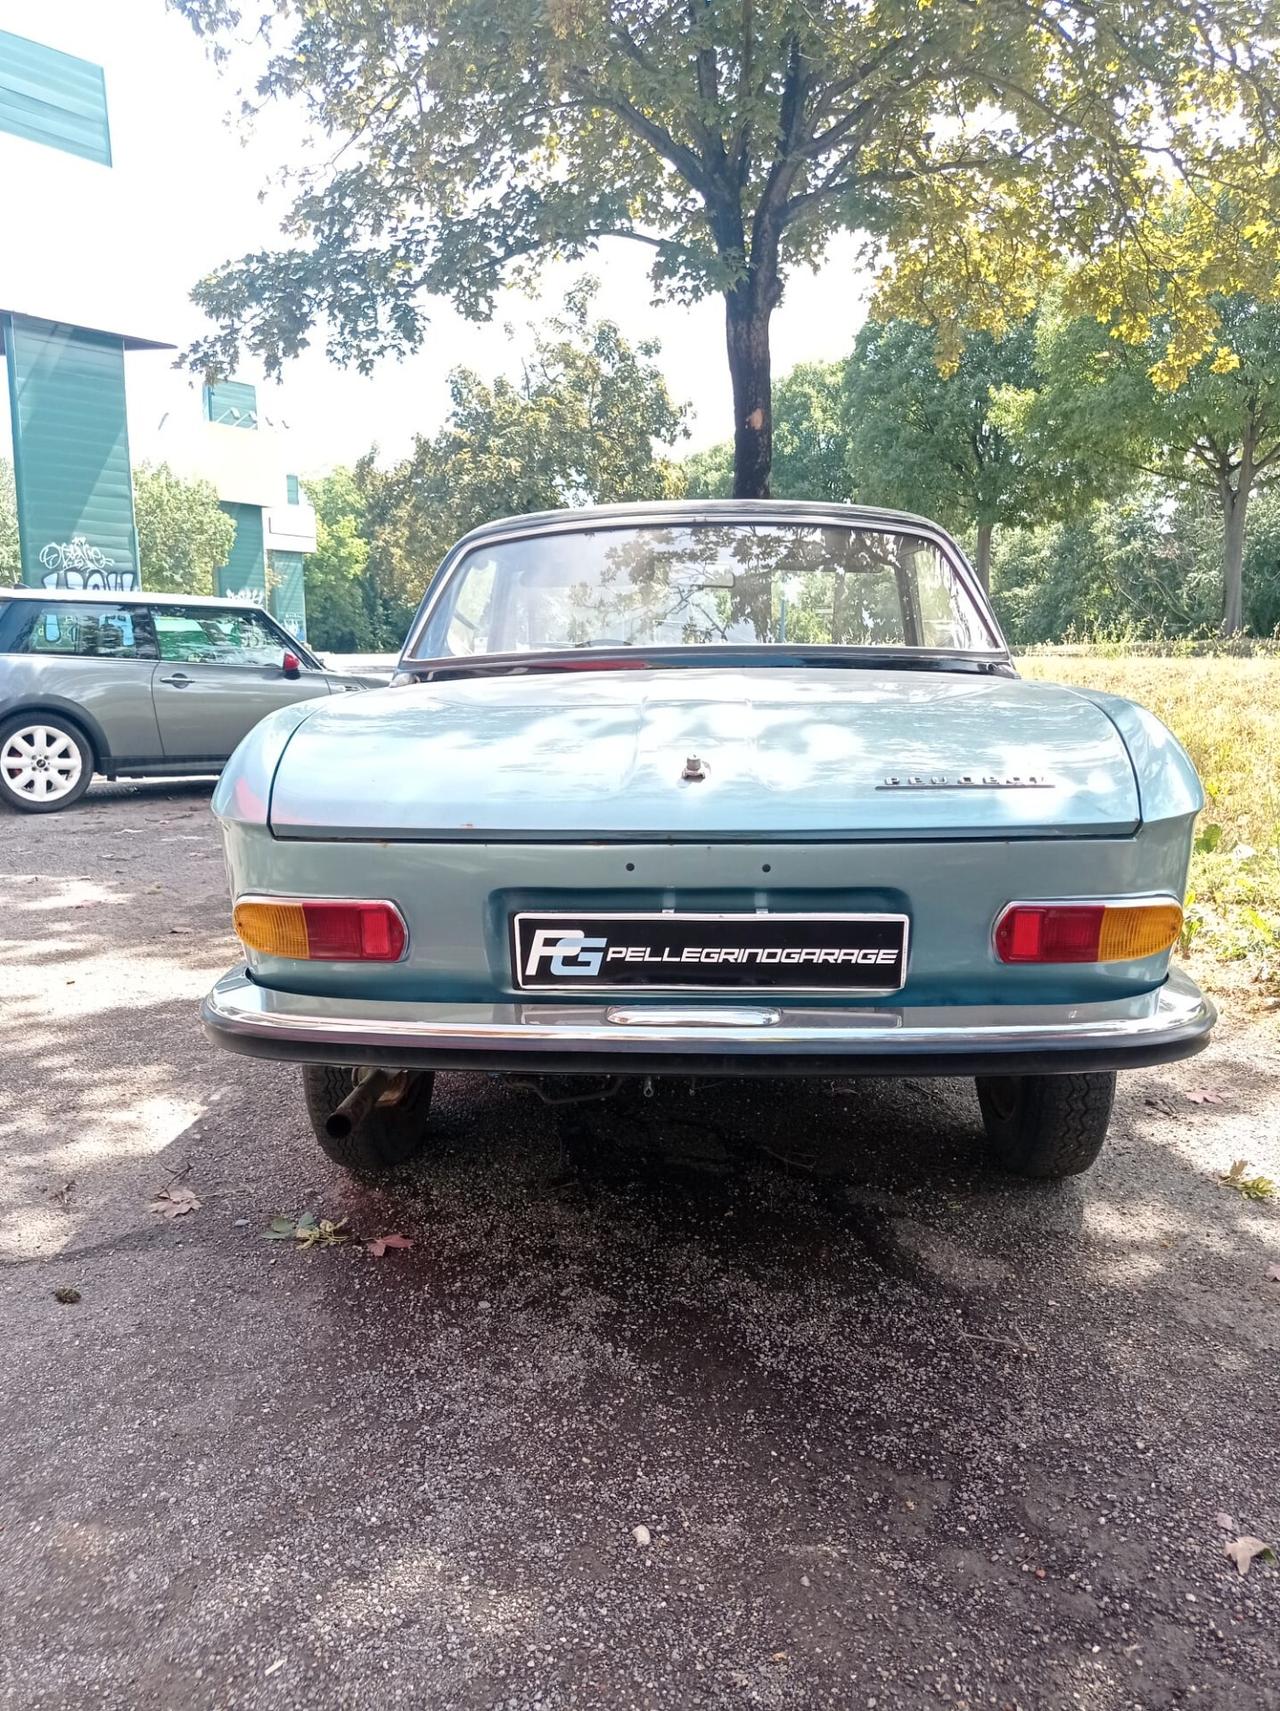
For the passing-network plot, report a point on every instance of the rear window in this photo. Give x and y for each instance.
(87, 632)
(665, 585)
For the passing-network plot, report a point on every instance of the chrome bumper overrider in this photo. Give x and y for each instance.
(766, 1039)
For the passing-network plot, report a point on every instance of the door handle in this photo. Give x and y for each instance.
(179, 680)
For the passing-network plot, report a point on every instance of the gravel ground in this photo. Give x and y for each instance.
(902, 1431)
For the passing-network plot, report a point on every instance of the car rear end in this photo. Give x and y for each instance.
(890, 919)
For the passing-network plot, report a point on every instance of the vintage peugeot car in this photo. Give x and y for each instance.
(710, 789)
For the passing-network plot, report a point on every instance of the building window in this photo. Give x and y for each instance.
(292, 493)
(233, 403)
(53, 98)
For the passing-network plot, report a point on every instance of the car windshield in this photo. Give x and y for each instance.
(703, 584)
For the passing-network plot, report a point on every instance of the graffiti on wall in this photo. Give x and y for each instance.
(77, 563)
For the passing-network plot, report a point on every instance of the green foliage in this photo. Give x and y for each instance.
(941, 444)
(10, 560)
(810, 441)
(709, 474)
(184, 536)
(578, 427)
(1227, 713)
(342, 607)
(1217, 431)
(469, 141)
(1141, 568)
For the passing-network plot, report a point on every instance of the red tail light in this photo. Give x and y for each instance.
(1086, 932)
(321, 930)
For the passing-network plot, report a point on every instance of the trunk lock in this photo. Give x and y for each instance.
(695, 770)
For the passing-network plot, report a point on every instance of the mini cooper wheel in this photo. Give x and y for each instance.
(45, 763)
(1046, 1125)
(390, 1134)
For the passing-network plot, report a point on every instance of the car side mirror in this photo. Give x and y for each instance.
(291, 665)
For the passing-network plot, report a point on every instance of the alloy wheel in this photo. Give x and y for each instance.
(41, 763)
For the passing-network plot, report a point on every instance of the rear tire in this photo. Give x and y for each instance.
(389, 1136)
(46, 763)
(1046, 1126)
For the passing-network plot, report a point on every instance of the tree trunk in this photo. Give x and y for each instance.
(1234, 506)
(747, 335)
(982, 559)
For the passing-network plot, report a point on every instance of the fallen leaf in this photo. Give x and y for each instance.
(308, 1231)
(68, 1298)
(1252, 1187)
(175, 1202)
(1209, 1096)
(1243, 1550)
(1224, 1521)
(378, 1245)
(1273, 1273)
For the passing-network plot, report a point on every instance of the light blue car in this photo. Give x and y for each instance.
(711, 788)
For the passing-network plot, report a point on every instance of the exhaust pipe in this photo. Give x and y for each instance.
(358, 1103)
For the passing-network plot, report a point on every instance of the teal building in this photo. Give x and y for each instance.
(65, 368)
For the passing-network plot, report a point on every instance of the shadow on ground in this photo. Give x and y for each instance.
(901, 1430)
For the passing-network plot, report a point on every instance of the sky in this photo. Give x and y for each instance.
(120, 248)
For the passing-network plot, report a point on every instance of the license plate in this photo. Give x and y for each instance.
(726, 953)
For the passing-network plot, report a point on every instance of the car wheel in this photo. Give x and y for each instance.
(1046, 1125)
(45, 763)
(391, 1134)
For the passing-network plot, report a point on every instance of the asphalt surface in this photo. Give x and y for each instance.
(902, 1431)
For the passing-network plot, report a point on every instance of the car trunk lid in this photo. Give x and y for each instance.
(780, 752)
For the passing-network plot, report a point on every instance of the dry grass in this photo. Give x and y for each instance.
(1227, 713)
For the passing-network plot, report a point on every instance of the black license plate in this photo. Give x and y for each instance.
(793, 953)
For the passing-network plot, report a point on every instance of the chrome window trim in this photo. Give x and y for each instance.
(726, 512)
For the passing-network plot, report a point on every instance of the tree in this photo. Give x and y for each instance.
(577, 427)
(1218, 430)
(809, 459)
(940, 444)
(10, 557)
(184, 536)
(338, 589)
(973, 145)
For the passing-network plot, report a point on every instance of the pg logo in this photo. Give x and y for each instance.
(568, 951)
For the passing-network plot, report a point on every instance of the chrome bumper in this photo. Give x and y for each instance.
(684, 1039)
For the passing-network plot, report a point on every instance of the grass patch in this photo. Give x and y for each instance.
(1227, 714)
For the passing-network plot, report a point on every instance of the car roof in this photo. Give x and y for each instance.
(705, 510)
(131, 597)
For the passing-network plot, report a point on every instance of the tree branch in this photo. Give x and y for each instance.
(676, 154)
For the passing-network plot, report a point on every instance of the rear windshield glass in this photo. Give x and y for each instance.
(702, 584)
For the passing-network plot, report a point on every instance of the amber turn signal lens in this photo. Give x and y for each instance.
(1129, 933)
(1086, 932)
(320, 929)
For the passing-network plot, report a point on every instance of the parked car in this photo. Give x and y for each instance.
(710, 789)
(129, 685)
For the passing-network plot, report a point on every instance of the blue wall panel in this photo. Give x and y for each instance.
(54, 98)
(233, 403)
(70, 455)
(244, 575)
